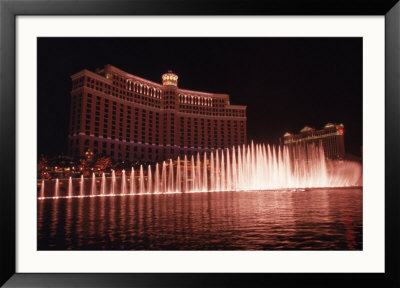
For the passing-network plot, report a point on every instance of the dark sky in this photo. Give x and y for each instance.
(286, 83)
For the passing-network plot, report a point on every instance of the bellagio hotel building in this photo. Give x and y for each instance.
(121, 115)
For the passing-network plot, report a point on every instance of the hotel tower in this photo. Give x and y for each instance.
(126, 117)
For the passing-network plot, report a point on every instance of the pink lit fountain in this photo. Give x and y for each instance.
(243, 168)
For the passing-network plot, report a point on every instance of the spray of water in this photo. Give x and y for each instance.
(243, 168)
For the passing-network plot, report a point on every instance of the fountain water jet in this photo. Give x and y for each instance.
(212, 173)
(228, 183)
(56, 188)
(171, 176)
(178, 176)
(164, 178)
(223, 187)
(217, 173)
(185, 174)
(205, 182)
(93, 190)
(149, 180)
(132, 182)
(193, 175)
(198, 173)
(81, 187)
(157, 180)
(113, 180)
(141, 190)
(234, 169)
(103, 184)
(41, 195)
(242, 168)
(123, 184)
(70, 186)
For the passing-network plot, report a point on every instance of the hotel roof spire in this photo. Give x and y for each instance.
(170, 79)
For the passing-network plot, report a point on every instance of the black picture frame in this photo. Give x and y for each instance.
(8, 12)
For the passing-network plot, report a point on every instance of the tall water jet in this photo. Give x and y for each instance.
(178, 176)
(198, 173)
(323, 168)
(212, 173)
(228, 182)
(205, 182)
(56, 188)
(149, 180)
(113, 180)
(93, 189)
(234, 171)
(132, 182)
(164, 178)
(217, 173)
(185, 174)
(193, 174)
(287, 164)
(239, 169)
(81, 186)
(157, 180)
(252, 159)
(171, 176)
(103, 184)
(70, 186)
(141, 179)
(223, 182)
(249, 168)
(270, 163)
(42, 190)
(123, 184)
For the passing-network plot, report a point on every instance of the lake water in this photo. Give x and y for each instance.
(316, 219)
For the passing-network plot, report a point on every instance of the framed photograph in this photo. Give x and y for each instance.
(222, 144)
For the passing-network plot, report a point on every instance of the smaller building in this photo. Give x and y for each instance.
(331, 136)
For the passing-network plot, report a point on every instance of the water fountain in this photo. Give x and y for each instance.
(103, 184)
(178, 183)
(193, 176)
(149, 180)
(243, 168)
(93, 189)
(157, 180)
(42, 189)
(205, 178)
(123, 184)
(164, 178)
(141, 180)
(185, 175)
(70, 187)
(132, 182)
(57, 188)
(171, 175)
(113, 180)
(82, 188)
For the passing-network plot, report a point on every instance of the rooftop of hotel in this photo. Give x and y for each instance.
(103, 74)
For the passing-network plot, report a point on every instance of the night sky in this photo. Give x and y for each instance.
(286, 83)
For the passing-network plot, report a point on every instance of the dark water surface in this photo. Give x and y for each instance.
(317, 219)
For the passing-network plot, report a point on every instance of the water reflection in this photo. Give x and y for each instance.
(323, 219)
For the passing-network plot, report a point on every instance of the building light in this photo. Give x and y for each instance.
(169, 79)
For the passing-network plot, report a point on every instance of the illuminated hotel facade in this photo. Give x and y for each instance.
(331, 136)
(116, 114)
